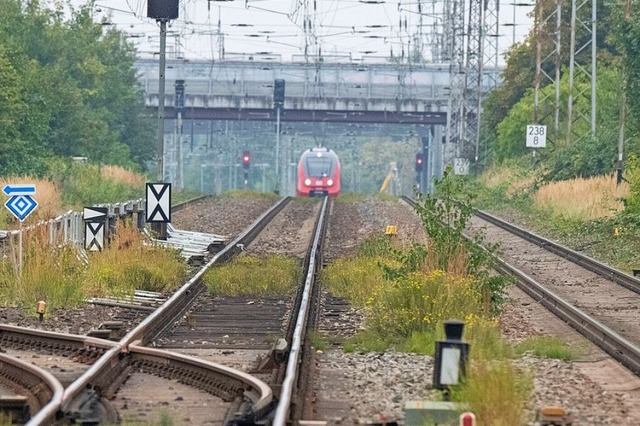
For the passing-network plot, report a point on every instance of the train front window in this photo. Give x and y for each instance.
(319, 167)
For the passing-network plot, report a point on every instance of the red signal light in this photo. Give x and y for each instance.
(419, 162)
(246, 159)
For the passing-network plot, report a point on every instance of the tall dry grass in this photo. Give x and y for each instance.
(128, 264)
(119, 174)
(582, 199)
(512, 178)
(47, 196)
(52, 274)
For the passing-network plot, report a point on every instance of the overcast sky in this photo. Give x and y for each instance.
(354, 28)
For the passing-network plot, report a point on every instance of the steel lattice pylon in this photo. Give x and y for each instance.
(471, 36)
(473, 75)
(548, 46)
(580, 120)
(582, 63)
(455, 54)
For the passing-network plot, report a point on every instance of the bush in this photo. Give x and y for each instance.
(421, 301)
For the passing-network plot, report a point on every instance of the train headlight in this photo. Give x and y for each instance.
(307, 182)
(329, 182)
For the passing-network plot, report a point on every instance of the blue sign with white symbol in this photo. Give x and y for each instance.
(20, 189)
(21, 204)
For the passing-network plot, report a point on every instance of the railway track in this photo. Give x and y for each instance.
(597, 300)
(102, 379)
(116, 362)
(197, 355)
(248, 333)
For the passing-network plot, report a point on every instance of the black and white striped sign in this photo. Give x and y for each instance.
(158, 203)
(93, 236)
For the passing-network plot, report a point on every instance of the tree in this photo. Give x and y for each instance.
(80, 92)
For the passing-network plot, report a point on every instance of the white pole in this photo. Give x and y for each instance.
(20, 251)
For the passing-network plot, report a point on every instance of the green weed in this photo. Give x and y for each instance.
(368, 341)
(547, 347)
(496, 392)
(246, 275)
(318, 340)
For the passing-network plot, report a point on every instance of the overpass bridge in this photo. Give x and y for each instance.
(228, 106)
(337, 92)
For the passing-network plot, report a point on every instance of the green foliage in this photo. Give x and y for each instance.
(127, 264)
(632, 175)
(52, 275)
(587, 157)
(72, 89)
(419, 302)
(82, 184)
(318, 340)
(246, 275)
(547, 347)
(419, 342)
(62, 280)
(496, 392)
(444, 218)
(354, 279)
(368, 341)
(375, 246)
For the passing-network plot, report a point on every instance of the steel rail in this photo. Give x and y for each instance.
(44, 387)
(611, 342)
(187, 203)
(98, 375)
(157, 361)
(585, 261)
(284, 403)
(618, 347)
(22, 337)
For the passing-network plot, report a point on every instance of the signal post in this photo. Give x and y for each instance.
(246, 165)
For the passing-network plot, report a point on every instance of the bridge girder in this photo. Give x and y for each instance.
(300, 115)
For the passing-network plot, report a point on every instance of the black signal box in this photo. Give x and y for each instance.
(162, 9)
(278, 92)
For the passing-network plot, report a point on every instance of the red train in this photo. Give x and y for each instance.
(318, 173)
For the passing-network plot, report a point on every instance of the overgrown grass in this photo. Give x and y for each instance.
(582, 199)
(318, 340)
(57, 276)
(547, 347)
(369, 341)
(254, 276)
(83, 184)
(611, 239)
(49, 273)
(165, 419)
(496, 392)
(122, 175)
(407, 295)
(354, 279)
(127, 264)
